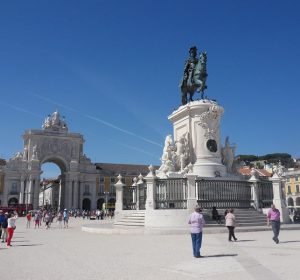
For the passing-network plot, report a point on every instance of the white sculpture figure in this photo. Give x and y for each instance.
(182, 151)
(18, 155)
(167, 163)
(47, 122)
(278, 169)
(34, 152)
(25, 153)
(228, 155)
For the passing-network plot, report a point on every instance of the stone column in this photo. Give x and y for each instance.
(36, 193)
(119, 196)
(191, 195)
(254, 189)
(59, 196)
(278, 199)
(75, 205)
(30, 190)
(151, 189)
(5, 191)
(68, 194)
(22, 190)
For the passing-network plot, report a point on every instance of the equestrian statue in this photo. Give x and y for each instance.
(194, 76)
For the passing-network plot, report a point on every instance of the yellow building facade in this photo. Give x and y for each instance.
(292, 188)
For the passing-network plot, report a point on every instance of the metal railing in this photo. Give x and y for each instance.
(265, 194)
(171, 193)
(223, 194)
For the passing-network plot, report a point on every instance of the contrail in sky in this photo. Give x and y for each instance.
(19, 109)
(97, 119)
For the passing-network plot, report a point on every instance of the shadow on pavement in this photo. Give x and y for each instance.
(27, 245)
(291, 241)
(245, 240)
(220, 255)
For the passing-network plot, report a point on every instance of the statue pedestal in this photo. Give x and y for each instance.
(201, 120)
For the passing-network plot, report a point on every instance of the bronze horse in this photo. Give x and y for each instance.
(195, 75)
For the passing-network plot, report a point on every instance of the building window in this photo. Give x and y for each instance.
(289, 190)
(14, 188)
(102, 180)
(112, 180)
(288, 179)
(86, 190)
(112, 189)
(101, 189)
(297, 188)
(296, 178)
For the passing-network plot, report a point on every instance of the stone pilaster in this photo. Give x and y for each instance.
(191, 195)
(119, 196)
(278, 199)
(151, 189)
(254, 189)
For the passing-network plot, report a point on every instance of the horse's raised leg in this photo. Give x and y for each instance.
(191, 96)
(183, 98)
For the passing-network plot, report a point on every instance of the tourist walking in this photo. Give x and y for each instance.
(273, 217)
(4, 228)
(230, 224)
(11, 226)
(37, 220)
(66, 218)
(196, 222)
(28, 220)
(59, 219)
(2, 218)
(47, 219)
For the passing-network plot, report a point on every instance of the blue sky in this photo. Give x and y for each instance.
(113, 69)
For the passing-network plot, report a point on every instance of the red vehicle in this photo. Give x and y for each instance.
(19, 208)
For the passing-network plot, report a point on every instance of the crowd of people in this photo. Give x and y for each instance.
(35, 218)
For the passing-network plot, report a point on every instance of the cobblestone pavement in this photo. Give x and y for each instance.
(74, 254)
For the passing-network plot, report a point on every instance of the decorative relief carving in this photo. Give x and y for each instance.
(213, 113)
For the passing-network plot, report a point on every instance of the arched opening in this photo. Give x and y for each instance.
(52, 191)
(100, 202)
(13, 201)
(290, 202)
(86, 204)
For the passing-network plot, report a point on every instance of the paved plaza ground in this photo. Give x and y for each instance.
(74, 254)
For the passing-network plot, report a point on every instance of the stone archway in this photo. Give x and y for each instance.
(13, 201)
(100, 202)
(290, 202)
(86, 204)
(298, 201)
(53, 143)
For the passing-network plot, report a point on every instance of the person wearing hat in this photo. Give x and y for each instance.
(196, 222)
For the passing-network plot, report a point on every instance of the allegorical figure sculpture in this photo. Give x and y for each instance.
(228, 155)
(167, 163)
(194, 76)
(182, 152)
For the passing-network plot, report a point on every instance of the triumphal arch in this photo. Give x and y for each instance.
(53, 143)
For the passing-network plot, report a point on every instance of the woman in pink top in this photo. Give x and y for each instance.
(230, 224)
(196, 222)
(273, 217)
